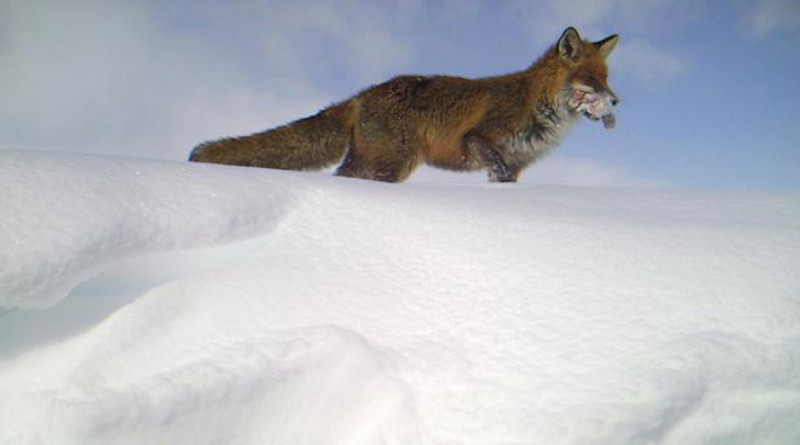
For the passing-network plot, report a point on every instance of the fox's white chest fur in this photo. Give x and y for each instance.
(544, 134)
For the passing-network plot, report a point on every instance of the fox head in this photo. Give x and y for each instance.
(587, 79)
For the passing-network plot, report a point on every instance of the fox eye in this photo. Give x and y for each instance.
(593, 81)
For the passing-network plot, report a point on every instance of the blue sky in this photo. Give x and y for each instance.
(708, 87)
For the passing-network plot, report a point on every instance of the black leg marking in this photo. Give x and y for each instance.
(498, 170)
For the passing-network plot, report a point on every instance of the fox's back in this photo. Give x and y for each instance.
(437, 111)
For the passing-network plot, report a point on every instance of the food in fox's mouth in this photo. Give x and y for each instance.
(594, 106)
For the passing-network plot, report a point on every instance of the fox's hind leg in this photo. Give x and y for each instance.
(481, 148)
(393, 164)
(394, 169)
(380, 150)
(353, 166)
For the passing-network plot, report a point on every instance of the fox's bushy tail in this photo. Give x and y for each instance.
(311, 143)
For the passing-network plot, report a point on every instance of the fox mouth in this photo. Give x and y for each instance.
(595, 106)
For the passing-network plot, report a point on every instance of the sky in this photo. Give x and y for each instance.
(707, 87)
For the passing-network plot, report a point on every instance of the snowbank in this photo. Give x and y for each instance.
(157, 302)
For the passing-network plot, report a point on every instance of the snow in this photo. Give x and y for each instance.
(167, 302)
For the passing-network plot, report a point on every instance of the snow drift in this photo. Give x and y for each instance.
(159, 302)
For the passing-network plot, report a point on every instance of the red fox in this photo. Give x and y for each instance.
(501, 124)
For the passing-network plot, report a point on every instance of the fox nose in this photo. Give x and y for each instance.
(612, 96)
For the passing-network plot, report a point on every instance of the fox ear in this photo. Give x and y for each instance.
(607, 45)
(569, 45)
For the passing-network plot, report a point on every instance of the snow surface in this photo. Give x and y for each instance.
(163, 302)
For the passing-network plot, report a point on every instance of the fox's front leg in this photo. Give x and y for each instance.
(490, 157)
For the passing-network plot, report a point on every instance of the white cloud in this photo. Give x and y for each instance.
(154, 79)
(362, 33)
(545, 20)
(770, 16)
(646, 63)
(594, 19)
